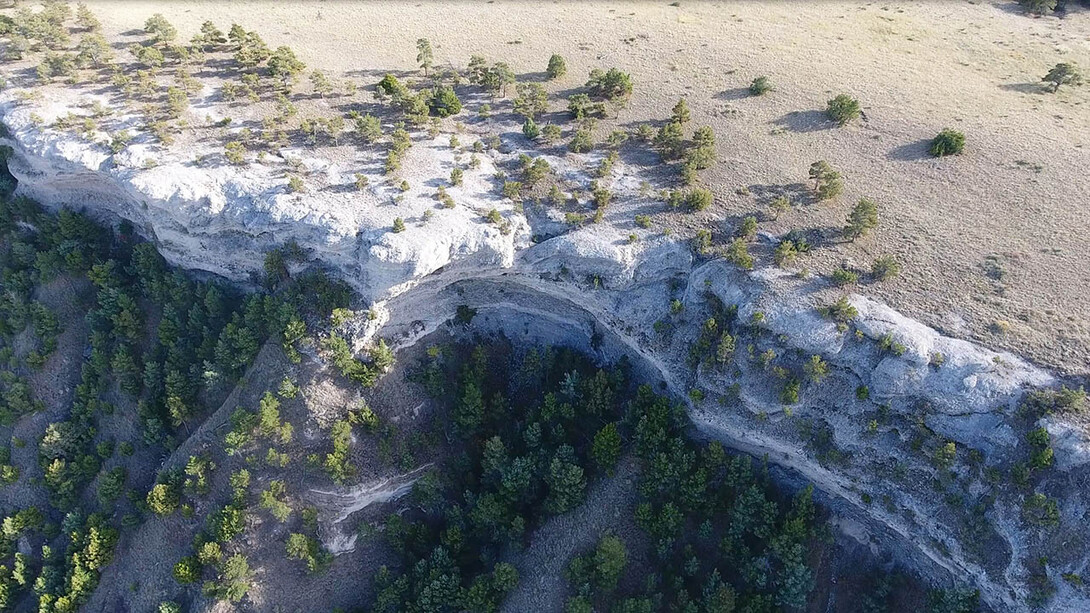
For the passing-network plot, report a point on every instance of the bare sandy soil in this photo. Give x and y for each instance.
(1017, 197)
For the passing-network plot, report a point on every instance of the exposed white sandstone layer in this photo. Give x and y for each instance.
(223, 218)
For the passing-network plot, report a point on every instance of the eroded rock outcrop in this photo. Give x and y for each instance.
(864, 433)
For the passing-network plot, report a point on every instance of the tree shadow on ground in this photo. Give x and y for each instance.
(797, 193)
(735, 93)
(821, 237)
(340, 188)
(1025, 88)
(910, 152)
(533, 77)
(378, 74)
(805, 121)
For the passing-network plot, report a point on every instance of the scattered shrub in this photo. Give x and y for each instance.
(160, 29)
(424, 56)
(785, 253)
(550, 133)
(444, 102)
(816, 369)
(698, 199)
(841, 311)
(532, 100)
(885, 267)
(680, 113)
(581, 142)
(827, 183)
(843, 109)
(611, 84)
(843, 276)
(235, 152)
(948, 142)
(748, 227)
(530, 129)
(187, 570)
(738, 254)
(760, 86)
(862, 219)
(163, 498)
(1064, 73)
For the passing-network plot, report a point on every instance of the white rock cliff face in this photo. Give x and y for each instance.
(222, 219)
(592, 288)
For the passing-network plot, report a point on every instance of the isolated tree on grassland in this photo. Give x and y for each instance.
(557, 67)
(424, 55)
(843, 109)
(1064, 73)
(862, 219)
